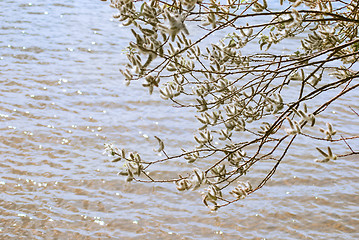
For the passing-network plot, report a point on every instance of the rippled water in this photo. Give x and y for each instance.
(62, 98)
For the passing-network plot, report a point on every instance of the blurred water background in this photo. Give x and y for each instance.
(62, 97)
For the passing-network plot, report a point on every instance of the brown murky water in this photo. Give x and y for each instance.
(62, 98)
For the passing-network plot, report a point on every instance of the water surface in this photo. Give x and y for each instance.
(62, 98)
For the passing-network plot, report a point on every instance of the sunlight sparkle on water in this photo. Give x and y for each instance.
(100, 222)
